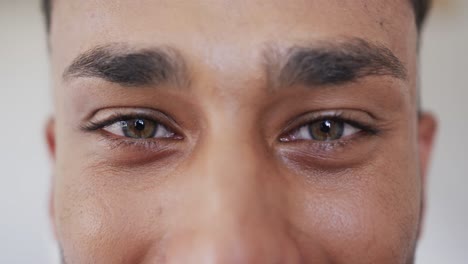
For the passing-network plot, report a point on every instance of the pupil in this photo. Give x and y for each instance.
(139, 125)
(326, 126)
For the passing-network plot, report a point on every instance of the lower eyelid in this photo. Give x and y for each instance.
(327, 149)
(153, 144)
(119, 151)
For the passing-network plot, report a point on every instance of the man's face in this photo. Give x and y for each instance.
(236, 131)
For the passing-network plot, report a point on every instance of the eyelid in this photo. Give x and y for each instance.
(350, 117)
(110, 116)
(117, 128)
(304, 133)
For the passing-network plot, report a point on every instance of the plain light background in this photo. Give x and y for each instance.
(25, 102)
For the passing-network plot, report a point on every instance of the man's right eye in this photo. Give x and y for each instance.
(139, 128)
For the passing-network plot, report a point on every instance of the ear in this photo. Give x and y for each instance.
(50, 137)
(50, 140)
(427, 128)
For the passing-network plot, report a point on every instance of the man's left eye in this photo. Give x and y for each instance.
(323, 130)
(139, 129)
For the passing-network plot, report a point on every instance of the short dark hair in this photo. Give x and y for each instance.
(47, 11)
(420, 7)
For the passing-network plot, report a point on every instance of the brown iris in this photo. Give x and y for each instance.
(139, 128)
(326, 130)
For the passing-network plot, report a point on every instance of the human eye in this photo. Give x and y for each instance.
(323, 130)
(139, 128)
(329, 139)
(136, 126)
(327, 127)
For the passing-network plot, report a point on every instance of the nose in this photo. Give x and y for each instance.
(232, 210)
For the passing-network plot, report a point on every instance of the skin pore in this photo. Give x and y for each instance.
(237, 131)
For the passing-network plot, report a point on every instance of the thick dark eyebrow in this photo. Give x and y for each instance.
(334, 63)
(120, 64)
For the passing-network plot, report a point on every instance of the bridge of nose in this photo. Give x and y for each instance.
(232, 209)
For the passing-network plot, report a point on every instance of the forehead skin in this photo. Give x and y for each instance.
(253, 208)
(240, 26)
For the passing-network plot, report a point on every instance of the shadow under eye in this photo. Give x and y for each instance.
(312, 155)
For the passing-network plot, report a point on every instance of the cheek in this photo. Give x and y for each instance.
(84, 224)
(372, 218)
(100, 221)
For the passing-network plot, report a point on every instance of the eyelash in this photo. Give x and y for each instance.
(336, 117)
(94, 126)
(119, 117)
(117, 141)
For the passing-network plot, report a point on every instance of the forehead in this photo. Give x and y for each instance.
(221, 31)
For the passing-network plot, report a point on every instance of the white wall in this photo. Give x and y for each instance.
(25, 234)
(24, 104)
(445, 92)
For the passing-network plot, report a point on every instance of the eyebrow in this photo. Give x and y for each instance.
(334, 63)
(120, 64)
(323, 63)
